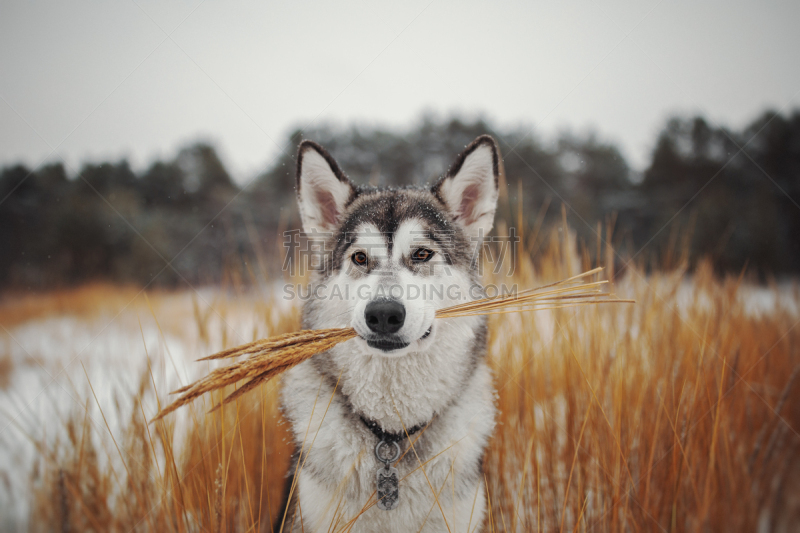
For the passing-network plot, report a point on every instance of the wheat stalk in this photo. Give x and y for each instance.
(270, 357)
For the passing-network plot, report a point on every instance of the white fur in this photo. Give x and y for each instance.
(347, 455)
(409, 236)
(397, 391)
(390, 277)
(431, 380)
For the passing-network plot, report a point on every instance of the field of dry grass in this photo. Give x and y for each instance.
(678, 413)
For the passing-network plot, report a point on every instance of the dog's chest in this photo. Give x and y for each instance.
(338, 477)
(347, 492)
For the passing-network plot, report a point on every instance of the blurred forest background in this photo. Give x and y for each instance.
(709, 192)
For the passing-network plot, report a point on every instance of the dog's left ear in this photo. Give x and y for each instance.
(469, 190)
(323, 191)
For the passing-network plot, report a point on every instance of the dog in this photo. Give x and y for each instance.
(391, 427)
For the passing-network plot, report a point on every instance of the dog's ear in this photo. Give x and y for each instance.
(323, 191)
(469, 190)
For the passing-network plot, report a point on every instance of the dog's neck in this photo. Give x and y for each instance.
(406, 391)
(387, 436)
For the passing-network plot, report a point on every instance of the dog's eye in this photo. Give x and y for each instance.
(421, 255)
(360, 258)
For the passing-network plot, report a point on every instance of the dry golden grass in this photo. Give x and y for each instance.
(87, 300)
(268, 358)
(6, 367)
(678, 413)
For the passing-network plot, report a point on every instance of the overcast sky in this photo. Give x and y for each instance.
(99, 80)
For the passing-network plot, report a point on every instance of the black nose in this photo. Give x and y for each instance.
(385, 316)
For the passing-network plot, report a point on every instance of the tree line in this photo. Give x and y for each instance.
(730, 196)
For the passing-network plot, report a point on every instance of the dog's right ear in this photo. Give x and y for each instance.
(323, 191)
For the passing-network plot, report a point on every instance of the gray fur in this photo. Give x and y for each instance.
(441, 382)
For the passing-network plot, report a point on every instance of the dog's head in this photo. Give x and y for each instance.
(394, 256)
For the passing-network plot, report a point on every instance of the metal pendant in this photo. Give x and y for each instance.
(388, 488)
(387, 477)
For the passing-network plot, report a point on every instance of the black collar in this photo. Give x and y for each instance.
(386, 436)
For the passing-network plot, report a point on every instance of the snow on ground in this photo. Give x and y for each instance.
(54, 359)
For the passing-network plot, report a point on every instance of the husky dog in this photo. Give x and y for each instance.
(390, 427)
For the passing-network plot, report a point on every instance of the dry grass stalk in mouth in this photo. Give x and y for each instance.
(270, 357)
